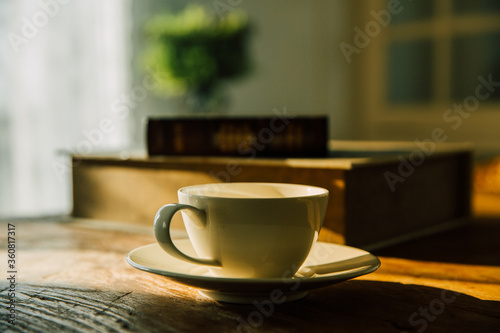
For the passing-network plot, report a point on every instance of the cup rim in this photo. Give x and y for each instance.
(318, 191)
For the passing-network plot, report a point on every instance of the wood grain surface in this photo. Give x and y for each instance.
(72, 276)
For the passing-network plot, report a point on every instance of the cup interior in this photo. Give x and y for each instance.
(253, 190)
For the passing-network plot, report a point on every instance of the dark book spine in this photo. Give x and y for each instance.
(241, 137)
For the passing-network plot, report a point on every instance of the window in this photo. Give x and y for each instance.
(438, 49)
(63, 64)
(432, 56)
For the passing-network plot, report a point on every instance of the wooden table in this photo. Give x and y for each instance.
(72, 276)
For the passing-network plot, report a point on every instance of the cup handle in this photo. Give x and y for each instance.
(162, 222)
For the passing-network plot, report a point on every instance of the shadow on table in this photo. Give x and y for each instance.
(389, 306)
(474, 244)
(373, 306)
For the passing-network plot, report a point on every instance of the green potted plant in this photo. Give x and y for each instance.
(195, 53)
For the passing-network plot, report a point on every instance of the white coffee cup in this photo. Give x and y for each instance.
(246, 230)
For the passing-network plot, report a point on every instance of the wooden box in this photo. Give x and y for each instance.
(380, 192)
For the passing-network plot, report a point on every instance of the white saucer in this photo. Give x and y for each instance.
(326, 264)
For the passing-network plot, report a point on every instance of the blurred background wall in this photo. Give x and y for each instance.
(70, 78)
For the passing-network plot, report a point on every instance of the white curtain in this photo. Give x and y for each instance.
(63, 64)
